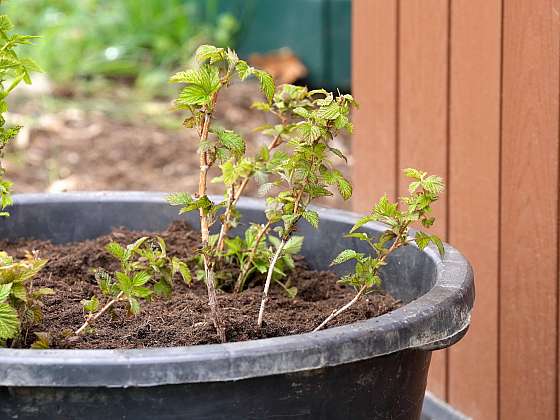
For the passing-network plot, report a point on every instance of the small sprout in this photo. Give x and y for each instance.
(423, 190)
(20, 303)
(145, 269)
(43, 341)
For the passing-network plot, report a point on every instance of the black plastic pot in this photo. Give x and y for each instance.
(375, 369)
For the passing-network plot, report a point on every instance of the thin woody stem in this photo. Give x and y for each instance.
(397, 244)
(241, 278)
(233, 199)
(205, 233)
(264, 299)
(92, 318)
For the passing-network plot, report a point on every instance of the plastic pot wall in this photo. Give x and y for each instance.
(374, 369)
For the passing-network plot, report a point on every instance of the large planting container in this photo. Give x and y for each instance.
(374, 369)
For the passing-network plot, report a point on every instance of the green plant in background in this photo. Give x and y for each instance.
(142, 40)
(13, 70)
(216, 67)
(20, 304)
(145, 269)
(424, 190)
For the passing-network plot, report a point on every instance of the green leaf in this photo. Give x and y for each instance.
(141, 292)
(116, 250)
(9, 322)
(422, 240)
(179, 199)
(414, 173)
(293, 245)
(42, 342)
(231, 141)
(329, 112)
(124, 282)
(434, 184)
(439, 244)
(140, 278)
(183, 269)
(312, 217)
(163, 288)
(346, 255)
(5, 290)
(362, 221)
(6, 24)
(344, 188)
(267, 84)
(243, 69)
(209, 53)
(134, 306)
(91, 305)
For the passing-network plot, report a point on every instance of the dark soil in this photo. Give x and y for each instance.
(184, 318)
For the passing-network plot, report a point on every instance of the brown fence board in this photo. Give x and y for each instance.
(529, 256)
(477, 100)
(375, 63)
(423, 112)
(474, 155)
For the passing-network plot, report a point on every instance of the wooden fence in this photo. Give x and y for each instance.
(469, 89)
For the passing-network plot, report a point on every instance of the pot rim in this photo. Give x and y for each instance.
(435, 320)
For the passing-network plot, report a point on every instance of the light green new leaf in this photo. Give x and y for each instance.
(267, 84)
(346, 255)
(312, 217)
(5, 290)
(9, 322)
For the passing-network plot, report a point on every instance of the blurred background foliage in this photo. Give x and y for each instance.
(137, 41)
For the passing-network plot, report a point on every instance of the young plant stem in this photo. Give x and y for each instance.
(92, 318)
(264, 299)
(338, 311)
(397, 244)
(233, 199)
(205, 234)
(247, 264)
(277, 255)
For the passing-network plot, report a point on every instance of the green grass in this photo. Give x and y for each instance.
(141, 41)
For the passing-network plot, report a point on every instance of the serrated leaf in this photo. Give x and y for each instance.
(293, 245)
(5, 290)
(267, 84)
(42, 342)
(312, 217)
(163, 288)
(329, 112)
(134, 306)
(414, 173)
(90, 305)
(231, 141)
(6, 24)
(9, 322)
(116, 250)
(362, 221)
(439, 244)
(346, 255)
(422, 240)
(124, 282)
(344, 188)
(140, 278)
(243, 69)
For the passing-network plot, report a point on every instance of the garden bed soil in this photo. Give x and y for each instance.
(184, 318)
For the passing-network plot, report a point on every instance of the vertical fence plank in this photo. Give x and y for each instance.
(474, 154)
(529, 215)
(423, 113)
(374, 55)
